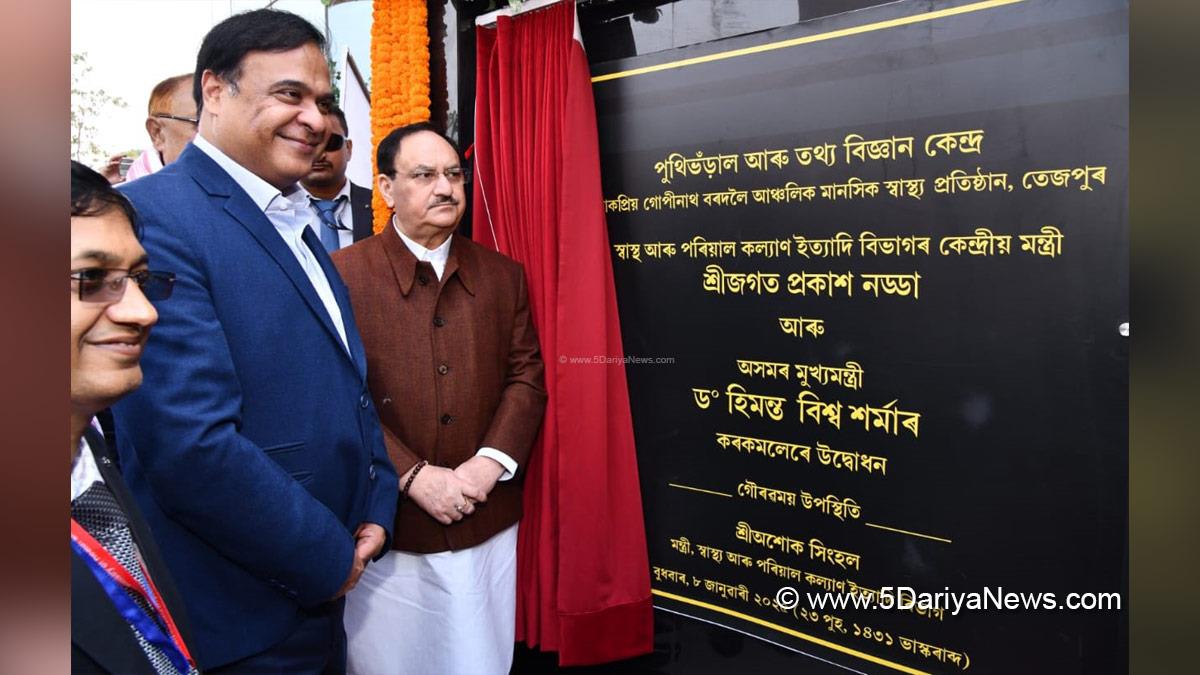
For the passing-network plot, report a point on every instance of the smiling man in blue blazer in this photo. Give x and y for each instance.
(254, 448)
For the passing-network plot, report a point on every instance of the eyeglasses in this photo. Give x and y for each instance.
(190, 120)
(97, 284)
(455, 175)
(335, 142)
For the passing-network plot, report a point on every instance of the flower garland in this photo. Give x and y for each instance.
(399, 75)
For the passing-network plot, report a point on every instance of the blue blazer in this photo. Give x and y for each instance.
(252, 446)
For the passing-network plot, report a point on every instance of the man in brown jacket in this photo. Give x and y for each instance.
(455, 370)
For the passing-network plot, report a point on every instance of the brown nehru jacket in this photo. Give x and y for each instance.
(453, 366)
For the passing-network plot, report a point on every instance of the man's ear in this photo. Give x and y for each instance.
(157, 137)
(213, 90)
(349, 149)
(384, 185)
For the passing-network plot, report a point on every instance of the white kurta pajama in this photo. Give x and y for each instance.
(449, 613)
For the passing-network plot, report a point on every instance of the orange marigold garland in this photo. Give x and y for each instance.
(399, 75)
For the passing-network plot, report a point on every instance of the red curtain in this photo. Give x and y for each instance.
(583, 583)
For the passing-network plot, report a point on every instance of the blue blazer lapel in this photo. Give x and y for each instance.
(217, 183)
(342, 295)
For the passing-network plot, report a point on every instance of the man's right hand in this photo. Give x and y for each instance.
(368, 540)
(438, 491)
(356, 571)
(112, 169)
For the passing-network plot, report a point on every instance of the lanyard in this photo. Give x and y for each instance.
(113, 578)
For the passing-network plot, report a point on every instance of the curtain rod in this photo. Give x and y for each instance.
(489, 19)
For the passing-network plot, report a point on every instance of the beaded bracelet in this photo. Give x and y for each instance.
(408, 483)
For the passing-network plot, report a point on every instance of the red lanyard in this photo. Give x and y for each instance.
(96, 551)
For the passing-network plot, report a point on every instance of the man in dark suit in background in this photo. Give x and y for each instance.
(255, 450)
(126, 616)
(343, 209)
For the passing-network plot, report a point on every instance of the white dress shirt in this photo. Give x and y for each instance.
(437, 257)
(84, 471)
(290, 213)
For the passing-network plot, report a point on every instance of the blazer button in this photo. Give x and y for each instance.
(443, 369)
(423, 280)
(371, 472)
(447, 419)
(364, 401)
(439, 321)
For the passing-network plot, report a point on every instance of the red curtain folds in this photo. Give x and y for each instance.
(583, 582)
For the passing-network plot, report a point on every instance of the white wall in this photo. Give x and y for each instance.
(357, 106)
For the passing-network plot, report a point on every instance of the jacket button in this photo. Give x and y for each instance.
(439, 321)
(364, 401)
(447, 419)
(443, 369)
(371, 472)
(423, 280)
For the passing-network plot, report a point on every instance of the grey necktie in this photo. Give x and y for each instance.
(330, 227)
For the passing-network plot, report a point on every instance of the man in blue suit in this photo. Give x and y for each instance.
(254, 448)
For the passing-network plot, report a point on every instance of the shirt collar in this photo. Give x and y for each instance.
(154, 159)
(264, 195)
(84, 471)
(404, 260)
(436, 256)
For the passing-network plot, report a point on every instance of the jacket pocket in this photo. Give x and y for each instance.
(290, 457)
(283, 448)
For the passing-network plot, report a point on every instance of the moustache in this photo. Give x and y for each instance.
(443, 202)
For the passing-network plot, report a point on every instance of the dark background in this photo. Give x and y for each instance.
(1014, 362)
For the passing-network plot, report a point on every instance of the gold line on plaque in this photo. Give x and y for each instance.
(915, 534)
(820, 37)
(696, 489)
(789, 631)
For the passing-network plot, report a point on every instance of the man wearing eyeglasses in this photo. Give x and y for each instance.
(255, 452)
(171, 122)
(343, 209)
(457, 376)
(126, 616)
